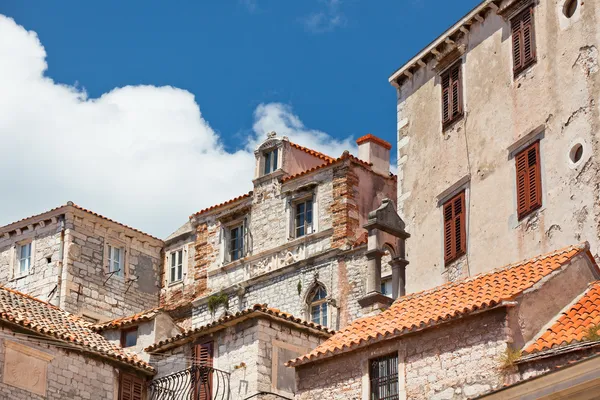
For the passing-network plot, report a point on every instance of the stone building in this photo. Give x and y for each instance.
(497, 138)
(82, 262)
(470, 338)
(296, 242)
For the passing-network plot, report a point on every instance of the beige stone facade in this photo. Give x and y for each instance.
(555, 100)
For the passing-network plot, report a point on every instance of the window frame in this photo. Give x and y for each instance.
(384, 280)
(321, 303)
(270, 160)
(124, 333)
(454, 243)
(306, 226)
(134, 383)
(529, 205)
(448, 74)
(111, 262)
(19, 249)
(239, 239)
(389, 380)
(176, 271)
(518, 18)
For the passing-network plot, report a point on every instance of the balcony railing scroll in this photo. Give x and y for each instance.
(199, 382)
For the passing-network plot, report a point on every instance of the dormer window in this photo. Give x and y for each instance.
(270, 161)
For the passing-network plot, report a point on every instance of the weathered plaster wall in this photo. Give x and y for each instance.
(69, 375)
(561, 92)
(455, 361)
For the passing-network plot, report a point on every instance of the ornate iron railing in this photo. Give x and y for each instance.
(198, 382)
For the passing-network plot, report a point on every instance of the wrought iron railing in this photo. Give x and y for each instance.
(198, 382)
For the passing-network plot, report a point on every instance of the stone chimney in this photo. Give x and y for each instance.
(375, 151)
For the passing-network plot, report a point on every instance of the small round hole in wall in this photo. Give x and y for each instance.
(576, 153)
(570, 7)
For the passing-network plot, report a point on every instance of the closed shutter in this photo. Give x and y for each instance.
(452, 107)
(454, 228)
(523, 39)
(203, 376)
(131, 387)
(529, 182)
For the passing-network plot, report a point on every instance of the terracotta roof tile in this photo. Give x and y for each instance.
(443, 303)
(50, 321)
(572, 325)
(244, 196)
(312, 152)
(257, 309)
(146, 315)
(372, 138)
(345, 156)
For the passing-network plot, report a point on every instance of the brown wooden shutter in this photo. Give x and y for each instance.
(523, 39)
(455, 241)
(529, 180)
(452, 107)
(131, 387)
(203, 377)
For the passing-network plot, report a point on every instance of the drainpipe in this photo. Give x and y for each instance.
(56, 299)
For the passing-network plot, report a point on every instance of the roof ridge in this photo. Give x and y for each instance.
(310, 151)
(30, 297)
(240, 197)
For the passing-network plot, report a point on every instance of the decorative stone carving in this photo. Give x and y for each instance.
(25, 367)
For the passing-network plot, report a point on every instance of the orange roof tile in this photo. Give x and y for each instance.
(372, 138)
(312, 152)
(257, 310)
(443, 303)
(573, 324)
(345, 156)
(146, 315)
(50, 321)
(244, 196)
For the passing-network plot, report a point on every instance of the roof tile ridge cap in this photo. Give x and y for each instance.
(35, 215)
(224, 203)
(308, 150)
(30, 297)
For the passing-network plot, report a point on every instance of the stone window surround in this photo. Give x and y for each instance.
(329, 300)
(224, 234)
(184, 265)
(113, 242)
(463, 184)
(15, 256)
(298, 197)
(270, 145)
(376, 353)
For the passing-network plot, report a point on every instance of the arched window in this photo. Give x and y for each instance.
(318, 306)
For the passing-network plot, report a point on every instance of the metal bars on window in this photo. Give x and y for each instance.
(383, 375)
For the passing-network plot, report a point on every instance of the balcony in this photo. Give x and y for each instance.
(198, 382)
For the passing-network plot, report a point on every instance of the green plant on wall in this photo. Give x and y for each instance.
(299, 287)
(217, 300)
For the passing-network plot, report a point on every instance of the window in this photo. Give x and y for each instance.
(236, 242)
(529, 182)
(115, 260)
(24, 255)
(454, 228)
(523, 40)
(176, 265)
(270, 160)
(304, 218)
(203, 376)
(452, 108)
(386, 286)
(383, 375)
(129, 337)
(131, 387)
(318, 306)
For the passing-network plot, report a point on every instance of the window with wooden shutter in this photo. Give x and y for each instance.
(131, 387)
(529, 180)
(452, 107)
(203, 375)
(455, 241)
(523, 40)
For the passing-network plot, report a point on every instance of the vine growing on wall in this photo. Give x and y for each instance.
(299, 288)
(216, 300)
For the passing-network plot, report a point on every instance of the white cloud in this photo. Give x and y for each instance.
(142, 155)
(327, 19)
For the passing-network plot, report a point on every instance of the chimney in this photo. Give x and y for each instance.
(375, 151)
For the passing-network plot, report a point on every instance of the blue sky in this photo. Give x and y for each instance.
(315, 69)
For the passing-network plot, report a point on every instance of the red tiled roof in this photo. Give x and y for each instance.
(345, 156)
(372, 138)
(257, 310)
(572, 325)
(146, 315)
(443, 303)
(312, 152)
(50, 321)
(71, 204)
(244, 196)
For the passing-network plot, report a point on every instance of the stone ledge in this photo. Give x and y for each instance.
(375, 300)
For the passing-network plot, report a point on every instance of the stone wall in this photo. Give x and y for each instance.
(457, 360)
(560, 93)
(42, 279)
(89, 289)
(29, 371)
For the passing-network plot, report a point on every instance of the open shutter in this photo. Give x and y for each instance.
(528, 37)
(131, 387)
(456, 94)
(448, 235)
(529, 182)
(459, 224)
(203, 376)
(523, 40)
(452, 107)
(446, 98)
(454, 228)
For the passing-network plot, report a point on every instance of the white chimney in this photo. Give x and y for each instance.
(375, 151)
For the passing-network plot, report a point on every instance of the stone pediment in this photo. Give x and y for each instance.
(386, 219)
